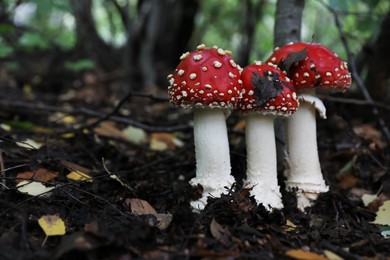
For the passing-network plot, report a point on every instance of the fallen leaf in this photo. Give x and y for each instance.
(52, 225)
(289, 226)
(33, 188)
(332, 256)
(164, 141)
(368, 198)
(135, 135)
(29, 144)
(304, 255)
(109, 129)
(141, 207)
(79, 176)
(371, 135)
(6, 127)
(385, 231)
(383, 214)
(40, 175)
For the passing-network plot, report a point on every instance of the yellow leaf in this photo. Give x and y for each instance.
(304, 255)
(79, 176)
(6, 127)
(52, 225)
(383, 214)
(289, 226)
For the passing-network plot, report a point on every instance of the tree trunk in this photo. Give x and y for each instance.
(88, 41)
(252, 14)
(288, 20)
(378, 75)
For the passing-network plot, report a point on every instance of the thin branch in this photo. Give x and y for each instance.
(353, 101)
(39, 108)
(355, 75)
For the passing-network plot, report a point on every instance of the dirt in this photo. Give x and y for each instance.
(102, 218)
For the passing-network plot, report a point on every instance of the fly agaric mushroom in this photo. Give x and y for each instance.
(267, 93)
(208, 81)
(310, 66)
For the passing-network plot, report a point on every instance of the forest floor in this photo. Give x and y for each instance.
(115, 176)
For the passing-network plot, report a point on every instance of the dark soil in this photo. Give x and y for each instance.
(99, 222)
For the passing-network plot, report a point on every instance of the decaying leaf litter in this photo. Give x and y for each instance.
(122, 190)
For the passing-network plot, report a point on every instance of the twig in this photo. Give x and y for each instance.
(39, 108)
(2, 171)
(355, 75)
(353, 101)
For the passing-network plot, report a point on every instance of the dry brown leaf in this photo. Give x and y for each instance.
(140, 207)
(164, 141)
(240, 124)
(370, 134)
(40, 174)
(348, 181)
(304, 255)
(109, 129)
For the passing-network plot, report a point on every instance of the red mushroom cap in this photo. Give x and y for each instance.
(320, 68)
(207, 77)
(266, 90)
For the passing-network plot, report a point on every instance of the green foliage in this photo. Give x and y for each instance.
(33, 40)
(80, 65)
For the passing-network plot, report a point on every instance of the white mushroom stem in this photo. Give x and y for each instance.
(303, 165)
(212, 154)
(261, 160)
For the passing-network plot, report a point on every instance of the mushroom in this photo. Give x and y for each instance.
(267, 93)
(310, 66)
(208, 81)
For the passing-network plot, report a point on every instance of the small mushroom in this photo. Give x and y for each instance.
(208, 81)
(267, 93)
(310, 66)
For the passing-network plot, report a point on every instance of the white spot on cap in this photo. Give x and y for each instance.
(239, 81)
(217, 64)
(197, 57)
(222, 94)
(184, 93)
(326, 82)
(273, 59)
(201, 47)
(318, 76)
(276, 48)
(294, 96)
(230, 91)
(204, 68)
(303, 81)
(312, 66)
(328, 74)
(180, 73)
(201, 92)
(231, 75)
(171, 81)
(233, 63)
(306, 74)
(296, 75)
(184, 55)
(221, 51)
(257, 62)
(336, 69)
(208, 86)
(197, 83)
(250, 93)
(193, 76)
(169, 76)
